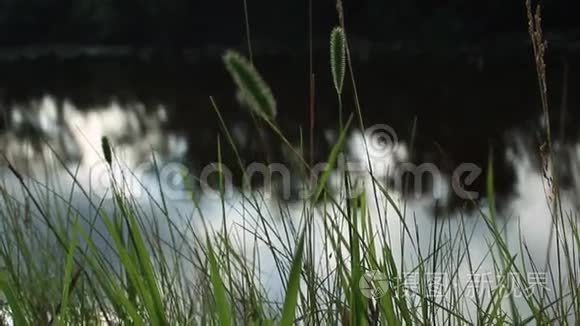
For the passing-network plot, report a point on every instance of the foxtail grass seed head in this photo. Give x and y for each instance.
(107, 150)
(338, 57)
(252, 89)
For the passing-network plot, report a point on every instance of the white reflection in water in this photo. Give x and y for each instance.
(74, 133)
(135, 133)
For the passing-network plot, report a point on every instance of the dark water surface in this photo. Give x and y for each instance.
(462, 107)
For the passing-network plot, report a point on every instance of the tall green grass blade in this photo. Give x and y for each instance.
(292, 290)
(68, 275)
(14, 302)
(149, 283)
(356, 299)
(113, 289)
(331, 162)
(225, 316)
(392, 274)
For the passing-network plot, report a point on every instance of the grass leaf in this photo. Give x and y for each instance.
(14, 302)
(68, 275)
(291, 299)
(224, 315)
(333, 157)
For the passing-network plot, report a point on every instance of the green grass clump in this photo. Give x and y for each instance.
(129, 271)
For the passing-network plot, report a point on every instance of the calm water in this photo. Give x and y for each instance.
(459, 108)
